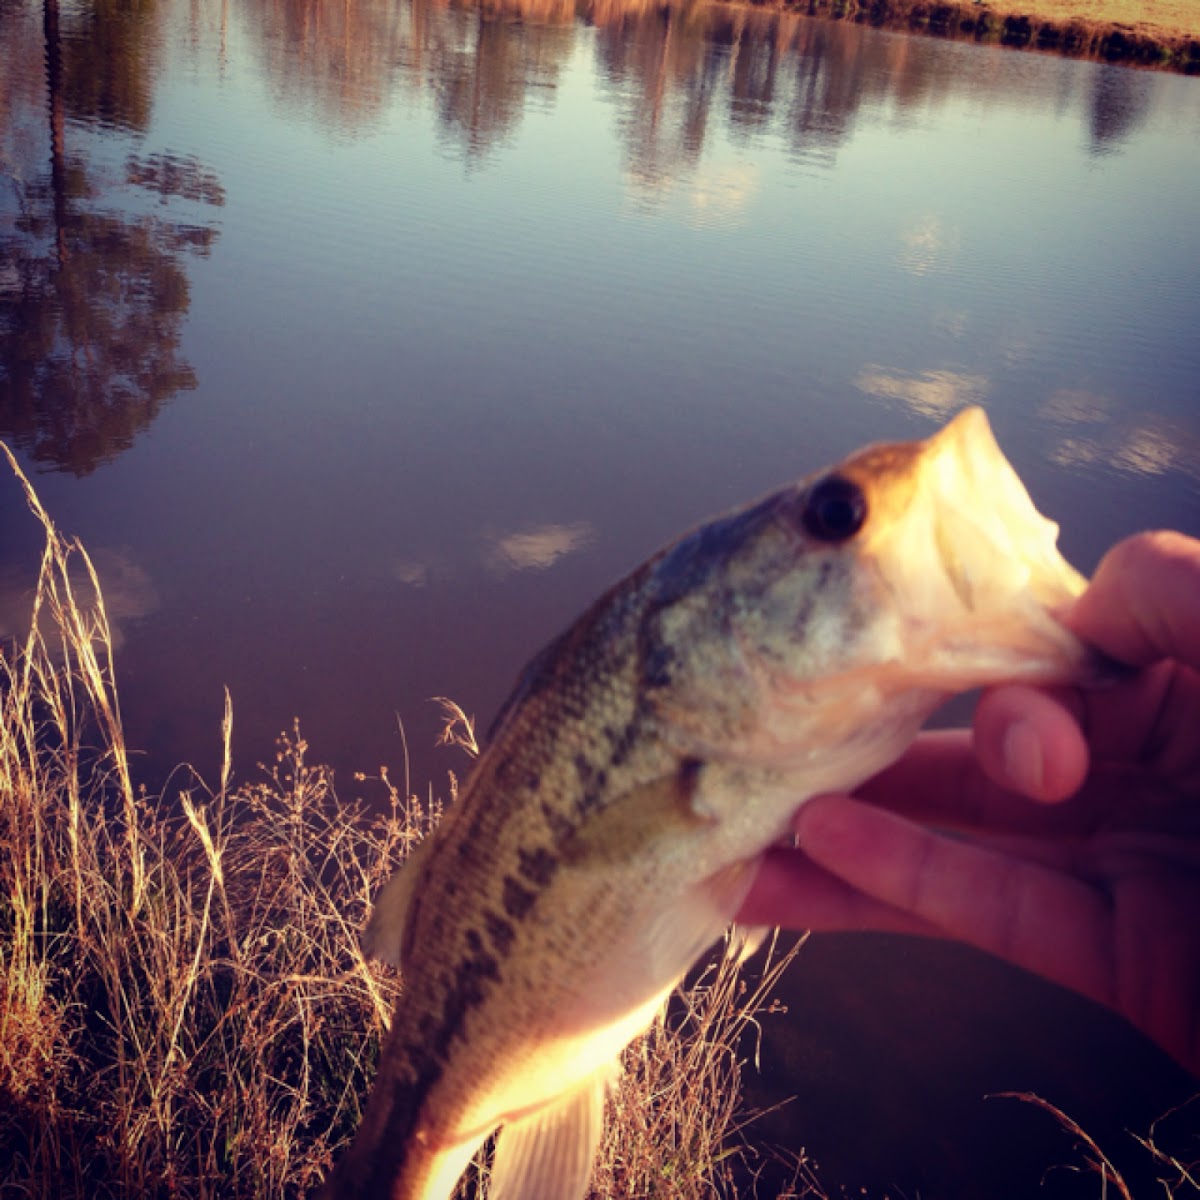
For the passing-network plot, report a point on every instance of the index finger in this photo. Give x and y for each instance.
(940, 780)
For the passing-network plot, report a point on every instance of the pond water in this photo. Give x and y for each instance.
(366, 342)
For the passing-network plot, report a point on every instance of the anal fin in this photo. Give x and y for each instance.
(548, 1154)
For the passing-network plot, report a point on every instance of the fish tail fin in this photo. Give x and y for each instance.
(547, 1155)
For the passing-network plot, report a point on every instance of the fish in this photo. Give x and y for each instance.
(648, 758)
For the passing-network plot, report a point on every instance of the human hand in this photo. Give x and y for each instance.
(1076, 851)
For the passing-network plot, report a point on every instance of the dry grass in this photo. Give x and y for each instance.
(1177, 1177)
(184, 1007)
(677, 1126)
(1170, 18)
(1163, 34)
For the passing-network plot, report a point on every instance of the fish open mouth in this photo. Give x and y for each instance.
(973, 569)
(952, 581)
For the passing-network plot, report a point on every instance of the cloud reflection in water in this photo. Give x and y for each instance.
(538, 547)
(128, 591)
(934, 394)
(928, 245)
(1095, 429)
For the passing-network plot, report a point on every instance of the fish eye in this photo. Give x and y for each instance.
(834, 509)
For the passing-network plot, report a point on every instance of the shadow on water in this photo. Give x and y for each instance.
(897, 1065)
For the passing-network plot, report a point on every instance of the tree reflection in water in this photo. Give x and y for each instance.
(94, 289)
(93, 294)
(671, 69)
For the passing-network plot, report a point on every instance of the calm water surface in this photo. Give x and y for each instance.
(364, 343)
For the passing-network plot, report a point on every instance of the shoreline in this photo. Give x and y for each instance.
(1116, 33)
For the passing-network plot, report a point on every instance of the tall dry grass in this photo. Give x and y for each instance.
(184, 1007)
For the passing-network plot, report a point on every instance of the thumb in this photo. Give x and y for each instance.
(1144, 603)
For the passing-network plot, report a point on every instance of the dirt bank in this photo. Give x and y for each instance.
(1163, 34)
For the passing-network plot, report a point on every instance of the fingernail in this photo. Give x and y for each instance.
(1023, 761)
(825, 824)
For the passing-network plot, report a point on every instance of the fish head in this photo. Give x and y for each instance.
(825, 623)
(953, 578)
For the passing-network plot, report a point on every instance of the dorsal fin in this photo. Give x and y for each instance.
(384, 936)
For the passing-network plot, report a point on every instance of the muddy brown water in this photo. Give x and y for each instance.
(366, 343)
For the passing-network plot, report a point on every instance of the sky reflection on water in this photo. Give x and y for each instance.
(368, 341)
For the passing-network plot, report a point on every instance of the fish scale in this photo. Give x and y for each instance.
(644, 763)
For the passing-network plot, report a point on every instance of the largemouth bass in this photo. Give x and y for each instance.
(646, 760)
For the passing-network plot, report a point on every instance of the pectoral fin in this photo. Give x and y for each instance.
(664, 816)
(548, 1154)
(384, 936)
(626, 827)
